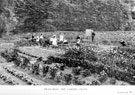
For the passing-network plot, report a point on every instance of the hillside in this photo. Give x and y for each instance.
(71, 15)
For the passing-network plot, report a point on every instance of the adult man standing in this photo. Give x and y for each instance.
(92, 35)
(41, 38)
(78, 40)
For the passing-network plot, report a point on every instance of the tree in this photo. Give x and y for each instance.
(106, 15)
(7, 16)
(2, 23)
(78, 15)
(35, 15)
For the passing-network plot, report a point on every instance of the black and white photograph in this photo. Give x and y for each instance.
(67, 43)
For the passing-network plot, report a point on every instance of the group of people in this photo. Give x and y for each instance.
(43, 41)
(55, 41)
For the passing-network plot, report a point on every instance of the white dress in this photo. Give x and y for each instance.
(37, 39)
(54, 42)
(78, 41)
(41, 37)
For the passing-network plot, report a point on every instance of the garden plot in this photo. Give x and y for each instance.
(79, 76)
(89, 79)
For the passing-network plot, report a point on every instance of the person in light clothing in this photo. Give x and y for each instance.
(41, 40)
(54, 41)
(78, 41)
(37, 39)
(41, 36)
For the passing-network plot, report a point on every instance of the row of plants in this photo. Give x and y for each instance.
(9, 55)
(81, 54)
(21, 76)
(94, 67)
(113, 63)
(7, 79)
(49, 71)
(56, 73)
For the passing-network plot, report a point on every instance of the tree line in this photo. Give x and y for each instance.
(67, 15)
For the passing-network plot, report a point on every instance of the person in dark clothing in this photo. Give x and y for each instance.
(123, 43)
(32, 37)
(78, 37)
(93, 36)
(78, 40)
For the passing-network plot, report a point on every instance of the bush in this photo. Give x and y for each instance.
(103, 76)
(113, 81)
(95, 82)
(76, 71)
(68, 78)
(81, 54)
(52, 72)
(9, 55)
(86, 73)
(78, 81)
